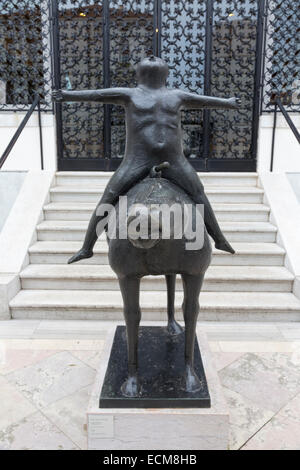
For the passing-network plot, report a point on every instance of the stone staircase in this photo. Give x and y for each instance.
(251, 285)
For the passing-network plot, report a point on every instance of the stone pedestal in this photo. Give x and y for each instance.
(159, 428)
(162, 368)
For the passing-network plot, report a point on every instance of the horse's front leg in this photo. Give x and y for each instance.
(130, 289)
(192, 286)
(173, 327)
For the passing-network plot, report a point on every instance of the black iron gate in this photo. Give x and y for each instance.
(212, 47)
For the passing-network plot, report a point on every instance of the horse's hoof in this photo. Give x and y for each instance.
(191, 382)
(130, 388)
(174, 328)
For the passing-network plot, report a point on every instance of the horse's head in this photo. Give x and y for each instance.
(144, 216)
(157, 209)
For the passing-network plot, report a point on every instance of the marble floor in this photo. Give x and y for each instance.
(47, 369)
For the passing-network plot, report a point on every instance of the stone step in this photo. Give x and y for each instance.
(247, 254)
(235, 232)
(217, 278)
(97, 178)
(224, 212)
(107, 305)
(216, 194)
(252, 285)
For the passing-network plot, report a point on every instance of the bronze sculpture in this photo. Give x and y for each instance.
(153, 143)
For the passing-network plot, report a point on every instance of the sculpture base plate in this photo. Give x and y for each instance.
(161, 372)
(159, 428)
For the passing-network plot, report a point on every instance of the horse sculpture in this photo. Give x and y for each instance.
(153, 135)
(135, 257)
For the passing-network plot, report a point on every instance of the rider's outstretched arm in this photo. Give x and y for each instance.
(194, 101)
(107, 95)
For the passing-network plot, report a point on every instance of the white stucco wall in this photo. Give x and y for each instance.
(10, 185)
(287, 148)
(25, 155)
(294, 179)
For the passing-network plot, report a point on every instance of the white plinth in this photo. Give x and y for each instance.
(160, 428)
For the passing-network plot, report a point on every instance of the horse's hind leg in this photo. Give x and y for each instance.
(130, 289)
(173, 327)
(192, 286)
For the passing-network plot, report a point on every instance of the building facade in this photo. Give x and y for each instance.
(246, 48)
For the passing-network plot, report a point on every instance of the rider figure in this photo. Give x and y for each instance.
(153, 136)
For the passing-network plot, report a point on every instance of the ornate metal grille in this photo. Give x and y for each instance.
(282, 55)
(130, 39)
(232, 74)
(81, 58)
(212, 47)
(183, 48)
(25, 61)
(100, 42)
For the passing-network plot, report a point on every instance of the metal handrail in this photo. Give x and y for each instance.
(278, 104)
(36, 102)
(288, 119)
